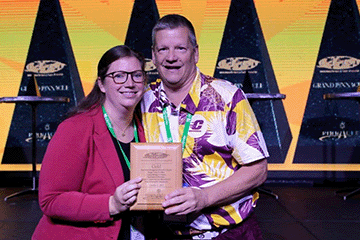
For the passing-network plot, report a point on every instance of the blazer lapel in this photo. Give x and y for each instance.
(107, 149)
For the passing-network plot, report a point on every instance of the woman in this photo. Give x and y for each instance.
(84, 186)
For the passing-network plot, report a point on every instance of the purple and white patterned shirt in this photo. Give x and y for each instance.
(223, 135)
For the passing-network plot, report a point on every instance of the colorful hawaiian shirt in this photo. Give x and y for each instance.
(223, 135)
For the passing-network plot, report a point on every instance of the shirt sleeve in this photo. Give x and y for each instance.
(246, 138)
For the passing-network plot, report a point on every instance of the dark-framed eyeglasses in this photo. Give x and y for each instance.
(119, 77)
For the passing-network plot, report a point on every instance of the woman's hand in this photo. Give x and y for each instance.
(125, 195)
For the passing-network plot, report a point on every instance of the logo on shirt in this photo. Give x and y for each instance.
(198, 126)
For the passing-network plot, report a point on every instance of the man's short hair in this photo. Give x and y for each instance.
(172, 21)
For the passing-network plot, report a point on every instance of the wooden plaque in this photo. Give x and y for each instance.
(160, 166)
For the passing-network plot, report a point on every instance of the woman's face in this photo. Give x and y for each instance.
(129, 89)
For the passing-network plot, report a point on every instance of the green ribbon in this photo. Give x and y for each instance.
(111, 129)
(168, 131)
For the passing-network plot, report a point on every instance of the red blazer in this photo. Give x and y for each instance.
(79, 172)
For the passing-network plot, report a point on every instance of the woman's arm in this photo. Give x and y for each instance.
(63, 172)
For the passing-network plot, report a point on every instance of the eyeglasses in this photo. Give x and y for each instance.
(119, 77)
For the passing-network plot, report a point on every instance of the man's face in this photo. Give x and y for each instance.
(175, 57)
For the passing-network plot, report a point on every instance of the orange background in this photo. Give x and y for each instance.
(292, 29)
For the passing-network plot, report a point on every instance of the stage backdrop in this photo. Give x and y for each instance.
(292, 30)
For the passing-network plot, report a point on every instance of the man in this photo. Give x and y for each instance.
(224, 153)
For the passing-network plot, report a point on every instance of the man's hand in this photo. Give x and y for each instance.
(241, 183)
(185, 200)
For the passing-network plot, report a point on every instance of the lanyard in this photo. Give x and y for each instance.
(168, 131)
(111, 129)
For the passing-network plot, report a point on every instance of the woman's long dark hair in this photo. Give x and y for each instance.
(96, 98)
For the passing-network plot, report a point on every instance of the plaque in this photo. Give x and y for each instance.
(160, 166)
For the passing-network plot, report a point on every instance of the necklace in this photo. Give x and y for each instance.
(111, 129)
(123, 133)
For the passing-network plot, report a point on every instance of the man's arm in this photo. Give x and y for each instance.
(188, 200)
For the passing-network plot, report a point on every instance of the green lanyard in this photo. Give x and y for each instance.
(111, 129)
(168, 131)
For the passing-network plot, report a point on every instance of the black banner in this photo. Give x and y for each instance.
(143, 18)
(330, 128)
(244, 60)
(51, 61)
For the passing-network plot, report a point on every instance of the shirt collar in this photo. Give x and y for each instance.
(191, 100)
